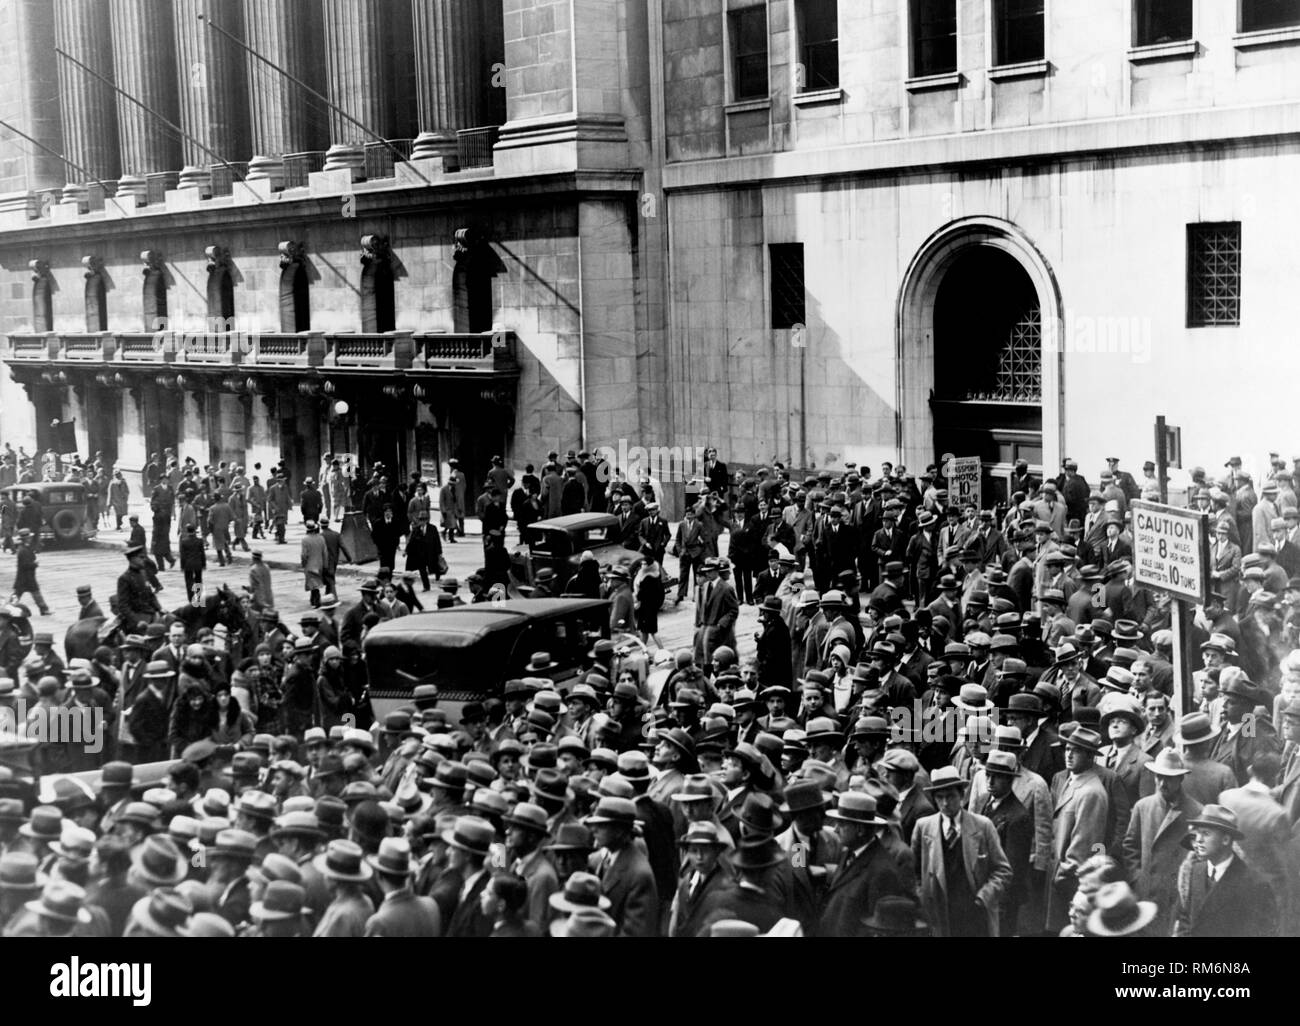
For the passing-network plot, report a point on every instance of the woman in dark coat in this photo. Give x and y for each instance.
(586, 582)
(194, 718)
(649, 594)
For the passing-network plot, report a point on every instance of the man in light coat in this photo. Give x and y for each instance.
(961, 869)
(1080, 810)
(315, 562)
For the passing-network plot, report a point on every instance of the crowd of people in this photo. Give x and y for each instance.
(950, 722)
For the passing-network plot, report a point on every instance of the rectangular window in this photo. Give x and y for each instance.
(934, 37)
(748, 29)
(788, 305)
(1213, 274)
(1020, 32)
(1163, 21)
(1264, 15)
(819, 45)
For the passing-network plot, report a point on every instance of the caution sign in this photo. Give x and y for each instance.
(965, 476)
(1171, 550)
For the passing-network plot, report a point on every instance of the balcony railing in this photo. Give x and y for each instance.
(297, 166)
(475, 146)
(383, 158)
(302, 350)
(225, 176)
(452, 355)
(487, 352)
(393, 350)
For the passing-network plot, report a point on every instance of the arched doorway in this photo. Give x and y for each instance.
(979, 370)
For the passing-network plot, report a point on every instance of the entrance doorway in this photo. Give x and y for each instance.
(988, 366)
(979, 371)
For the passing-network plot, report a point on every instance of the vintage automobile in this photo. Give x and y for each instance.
(63, 508)
(560, 543)
(470, 651)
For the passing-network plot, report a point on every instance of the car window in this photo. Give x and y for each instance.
(547, 543)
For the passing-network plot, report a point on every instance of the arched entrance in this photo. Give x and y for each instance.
(979, 373)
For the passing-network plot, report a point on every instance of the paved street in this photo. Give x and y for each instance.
(99, 564)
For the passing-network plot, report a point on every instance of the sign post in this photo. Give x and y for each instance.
(965, 476)
(1171, 553)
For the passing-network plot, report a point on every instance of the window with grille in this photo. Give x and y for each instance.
(1263, 15)
(1020, 33)
(1213, 274)
(934, 37)
(788, 302)
(1163, 21)
(748, 30)
(819, 44)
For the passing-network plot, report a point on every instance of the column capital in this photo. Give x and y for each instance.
(40, 269)
(218, 257)
(93, 264)
(292, 253)
(375, 249)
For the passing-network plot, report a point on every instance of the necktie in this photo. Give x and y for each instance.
(948, 830)
(1209, 869)
(696, 880)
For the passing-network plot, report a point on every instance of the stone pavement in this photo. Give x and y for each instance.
(99, 564)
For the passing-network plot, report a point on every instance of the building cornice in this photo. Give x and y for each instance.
(1186, 130)
(300, 207)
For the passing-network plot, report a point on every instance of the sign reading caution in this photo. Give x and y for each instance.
(1171, 550)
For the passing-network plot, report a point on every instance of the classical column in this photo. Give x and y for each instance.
(286, 33)
(449, 76)
(358, 83)
(210, 72)
(144, 59)
(89, 106)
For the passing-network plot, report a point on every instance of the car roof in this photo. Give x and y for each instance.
(43, 486)
(463, 626)
(578, 522)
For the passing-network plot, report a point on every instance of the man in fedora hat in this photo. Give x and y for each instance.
(402, 913)
(812, 847)
(1245, 736)
(706, 886)
(60, 911)
(674, 757)
(25, 575)
(1122, 721)
(774, 644)
(961, 869)
(1219, 894)
(1080, 809)
(1015, 826)
(1153, 844)
(866, 871)
(1207, 778)
(346, 874)
(623, 869)
(469, 842)
(526, 832)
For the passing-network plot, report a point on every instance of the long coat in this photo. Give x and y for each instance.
(404, 914)
(691, 916)
(854, 891)
(1079, 814)
(315, 561)
(1153, 852)
(1287, 791)
(629, 883)
(987, 870)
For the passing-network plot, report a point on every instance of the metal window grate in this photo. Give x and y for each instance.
(1213, 274)
(788, 288)
(382, 158)
(225, 176)
(1020, 364)
(474, 146)
(297, 166)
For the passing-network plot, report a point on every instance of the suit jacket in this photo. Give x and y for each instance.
(811, 872)
(1079, 813)
(988, 872)
(1153, 852)
(1267, 833)
(720, 615)
(1207, 779)
(1152, 744)
(1015, 827)
(629, 883)
(691, 916)
(468, 920)
(542, 881)
(1240, 904)
(1045, 754)
(914, 807)
(1129, 769)
(855, 889)
(404, 914)
(1237, 751)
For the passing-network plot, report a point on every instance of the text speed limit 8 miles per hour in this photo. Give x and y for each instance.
(1171, 549)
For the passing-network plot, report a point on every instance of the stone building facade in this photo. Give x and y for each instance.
(804, 230)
